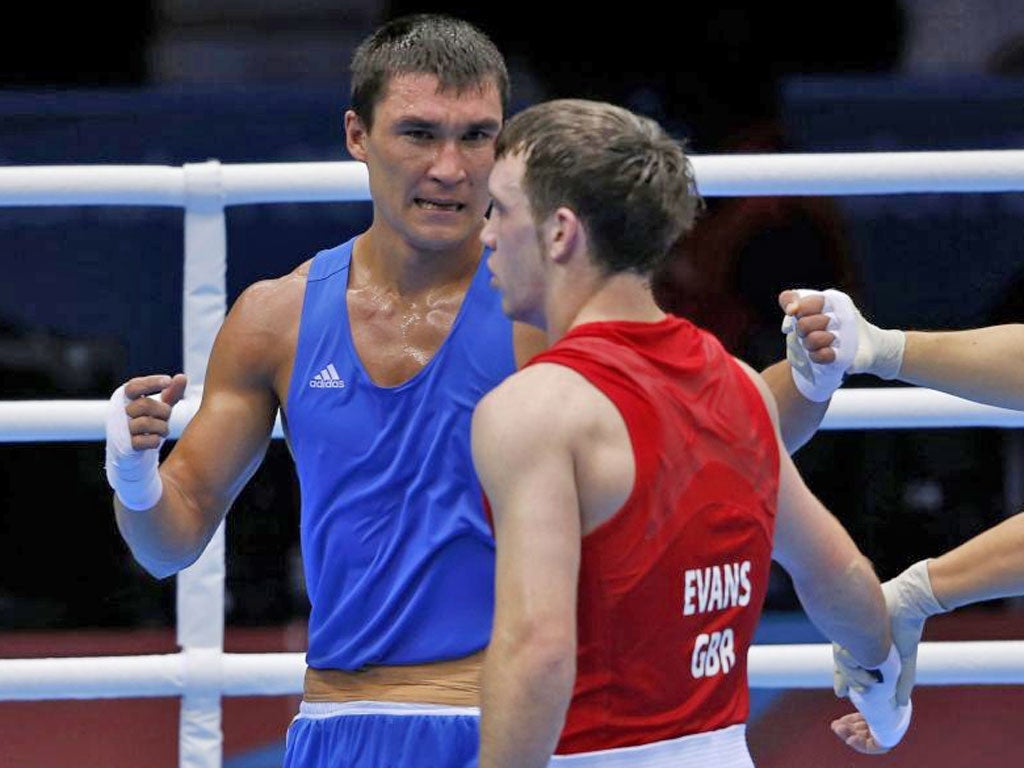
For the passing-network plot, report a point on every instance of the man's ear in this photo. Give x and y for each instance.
(563, 234)
(355, 135)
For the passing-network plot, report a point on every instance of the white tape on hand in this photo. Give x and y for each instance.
(847, 673)
(910, 601)
(879, 350)
(886, 718)
(819, 381)
(133, 475)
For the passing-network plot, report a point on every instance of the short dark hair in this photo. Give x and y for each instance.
(627, 179)
(458, 53)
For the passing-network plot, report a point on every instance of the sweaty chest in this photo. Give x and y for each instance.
(396, 339)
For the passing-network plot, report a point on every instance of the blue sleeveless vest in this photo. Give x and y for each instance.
(398, 555)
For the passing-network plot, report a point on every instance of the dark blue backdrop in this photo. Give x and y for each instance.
(115, 272)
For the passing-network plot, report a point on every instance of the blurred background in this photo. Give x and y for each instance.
(92, 296)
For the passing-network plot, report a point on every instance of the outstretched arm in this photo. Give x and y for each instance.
(986, 567)
(830, 338)
(836, 584)
(840, 592)
(980, 364)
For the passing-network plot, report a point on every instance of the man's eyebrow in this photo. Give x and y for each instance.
(416, 122)
(489, 125)
(485, 125)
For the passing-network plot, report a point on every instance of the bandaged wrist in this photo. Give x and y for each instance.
(133, 475)
(887, 720)
(819, 381)
(879, 351)
(913, 592)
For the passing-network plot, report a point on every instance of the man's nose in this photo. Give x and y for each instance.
(449, 165)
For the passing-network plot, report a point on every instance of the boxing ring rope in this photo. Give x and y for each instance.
(798, 665)
(23, 421)
(201, 673)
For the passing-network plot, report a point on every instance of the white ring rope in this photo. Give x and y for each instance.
(851, 173)
(801, 665)
(202, 672)
(24, 421)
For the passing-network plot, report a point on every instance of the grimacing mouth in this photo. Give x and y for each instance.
(438, 205)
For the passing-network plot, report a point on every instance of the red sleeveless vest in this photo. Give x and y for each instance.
(671, 587)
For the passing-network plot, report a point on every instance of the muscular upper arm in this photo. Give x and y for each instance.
(227, 438)
(523, 456)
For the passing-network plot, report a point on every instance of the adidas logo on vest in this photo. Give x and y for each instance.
(328, 378)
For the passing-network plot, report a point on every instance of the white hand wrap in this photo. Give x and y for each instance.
(910, 601)
(860, 347)
(879, 351)
(847, 673)
(134, 475)
(887, 720)
(818, 381)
